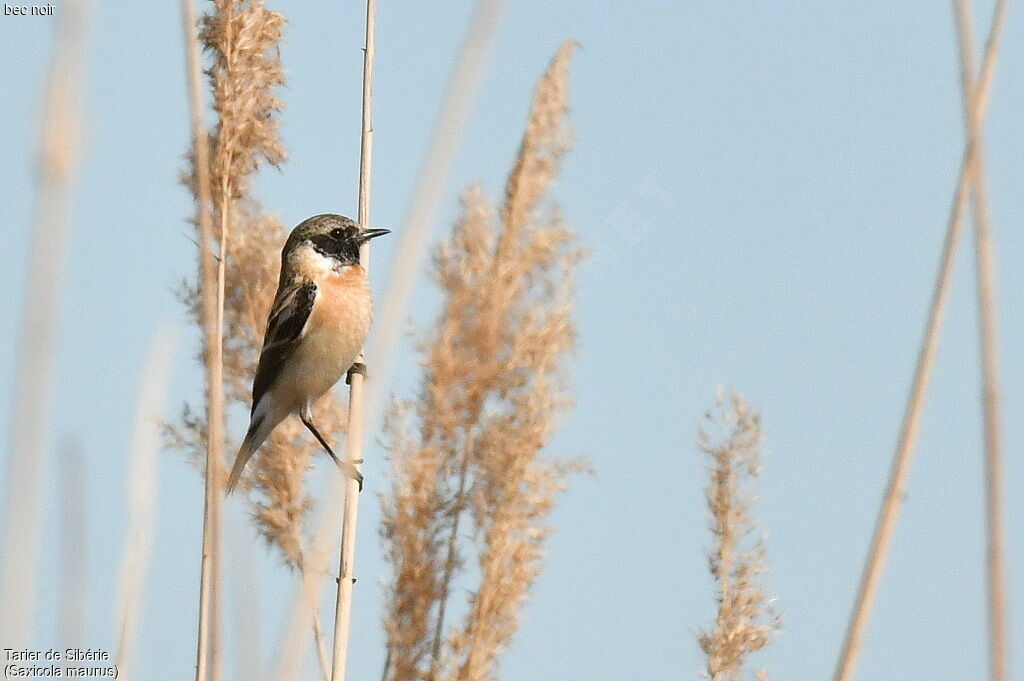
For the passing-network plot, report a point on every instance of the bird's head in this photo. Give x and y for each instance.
(334, 238)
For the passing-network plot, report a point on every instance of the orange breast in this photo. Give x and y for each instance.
(344, 301)
(334, 335)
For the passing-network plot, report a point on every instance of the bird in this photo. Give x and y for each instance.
(317, 326)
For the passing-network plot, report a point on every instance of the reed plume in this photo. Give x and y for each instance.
(241, 39)
(745, 622)
(466, 452)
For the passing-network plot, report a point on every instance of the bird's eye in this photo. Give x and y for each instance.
(337, 233)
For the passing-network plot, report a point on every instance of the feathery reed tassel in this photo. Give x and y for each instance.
(885, 524)
(242, 36)
(354, 436)
(745, 623)
(492, 392)
(34, 383)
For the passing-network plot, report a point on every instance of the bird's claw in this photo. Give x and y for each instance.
(351, 471)
(357, 368)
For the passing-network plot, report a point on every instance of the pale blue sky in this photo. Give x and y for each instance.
(764, 188)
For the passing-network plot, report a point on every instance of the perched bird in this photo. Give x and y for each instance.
(317, 327)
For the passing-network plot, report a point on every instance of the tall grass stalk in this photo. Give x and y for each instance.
(243, 36)
(207, 647)
(74, 577)
(354, 436)
(892, 500)
(233, 296)
(142, 493)
(59, 153)
(988, 327)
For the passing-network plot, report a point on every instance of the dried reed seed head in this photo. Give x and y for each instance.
(492, 391)
(414, 519)
(545, 140)
(241, 38)
(745, 622)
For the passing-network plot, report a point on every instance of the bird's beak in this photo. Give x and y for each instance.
(372, 233)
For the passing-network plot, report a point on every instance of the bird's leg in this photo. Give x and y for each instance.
(357, 368)
(344, 466)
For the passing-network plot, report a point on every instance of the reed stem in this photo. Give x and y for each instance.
(889, 511)
(988, 329)
(211, 312)
(354, 434)
(34, 383)
(142, 494)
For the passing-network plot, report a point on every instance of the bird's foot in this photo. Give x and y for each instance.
(351, 471)
(357, 368)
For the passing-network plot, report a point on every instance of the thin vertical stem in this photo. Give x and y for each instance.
(211, 311)
(354, 434)
(995, 550)
(142, 493)
(74, 578)
(318, 632)
(215, 458)
(988, 329)
(889, 511)
(449, 567)
(37, 344)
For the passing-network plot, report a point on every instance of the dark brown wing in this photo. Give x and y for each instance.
(285, 329)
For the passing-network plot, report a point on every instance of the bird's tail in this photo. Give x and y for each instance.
(264, 420)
